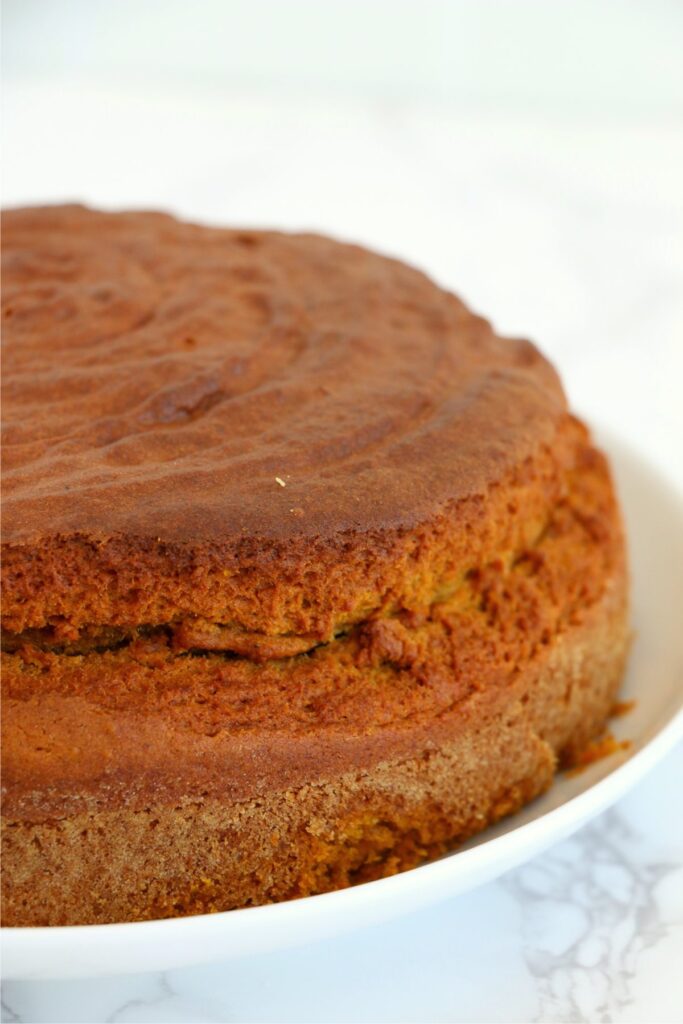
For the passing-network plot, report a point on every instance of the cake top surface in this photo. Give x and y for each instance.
(195, 385)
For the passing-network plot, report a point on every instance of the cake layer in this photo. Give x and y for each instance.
(145, 721)
(477, 762)
(279, 434)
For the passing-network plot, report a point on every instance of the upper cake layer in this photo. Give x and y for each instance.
(276, 433)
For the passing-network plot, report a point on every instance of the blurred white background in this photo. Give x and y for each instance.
(616, 56)
(527, 153)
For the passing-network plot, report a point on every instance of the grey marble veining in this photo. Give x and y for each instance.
(589, 909)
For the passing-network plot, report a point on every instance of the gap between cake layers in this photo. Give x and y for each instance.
(435, 689)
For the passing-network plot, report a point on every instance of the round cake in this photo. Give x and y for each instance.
(308, 575)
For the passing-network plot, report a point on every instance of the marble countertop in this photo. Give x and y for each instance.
(567, 230)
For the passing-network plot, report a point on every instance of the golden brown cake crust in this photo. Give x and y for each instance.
(307, 574)
(197, 367)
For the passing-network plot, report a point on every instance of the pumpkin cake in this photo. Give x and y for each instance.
(308, 575)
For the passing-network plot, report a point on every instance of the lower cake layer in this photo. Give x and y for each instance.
(482, 759)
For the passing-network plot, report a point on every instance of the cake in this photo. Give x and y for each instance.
(308, 575)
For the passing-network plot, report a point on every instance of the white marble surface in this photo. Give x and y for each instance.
(567, 229)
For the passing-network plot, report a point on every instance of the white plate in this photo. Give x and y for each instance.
(654, 514)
